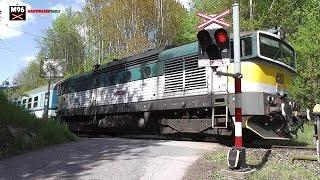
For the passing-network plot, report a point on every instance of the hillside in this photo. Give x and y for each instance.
(21, 131)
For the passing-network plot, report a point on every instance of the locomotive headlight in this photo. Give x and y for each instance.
(295, 105)
(270, 99)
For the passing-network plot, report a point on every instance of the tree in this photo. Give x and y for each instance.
(306, 42)
(120, 28)
(29, 78)
(63, 41)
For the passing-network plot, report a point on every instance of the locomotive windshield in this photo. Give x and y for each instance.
(276, 50)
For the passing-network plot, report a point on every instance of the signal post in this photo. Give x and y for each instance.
(212, 42)
(237, 155)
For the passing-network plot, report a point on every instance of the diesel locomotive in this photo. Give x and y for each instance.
(164, 90)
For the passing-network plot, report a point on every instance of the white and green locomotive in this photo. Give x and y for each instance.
(165, 90)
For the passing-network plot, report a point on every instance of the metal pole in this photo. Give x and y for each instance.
(318, 137)
(237, 70)
(47, 100)
(250, 10)
(237, 155)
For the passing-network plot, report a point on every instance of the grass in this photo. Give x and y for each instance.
(303, 138)
(307, 135)
(272, 169)
(283, 170)
(45, 131)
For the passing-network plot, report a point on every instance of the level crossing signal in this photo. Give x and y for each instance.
(213, 44)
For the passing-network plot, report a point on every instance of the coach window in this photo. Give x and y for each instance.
(35, 101)
(24, 101)
(29, 102)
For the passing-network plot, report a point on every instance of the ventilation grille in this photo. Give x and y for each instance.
(195, 77)
(173, 70)
(182, 74)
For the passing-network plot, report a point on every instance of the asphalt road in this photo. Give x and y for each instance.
(107, 158)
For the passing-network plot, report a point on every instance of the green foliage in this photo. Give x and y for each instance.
(307, 135)
(188, 29)
(63, 41)
(48, 132)
(306, 42)
(28, 78)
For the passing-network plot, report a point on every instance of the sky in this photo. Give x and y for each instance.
(18, 39)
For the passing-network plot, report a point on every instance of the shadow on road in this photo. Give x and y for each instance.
(70, 160)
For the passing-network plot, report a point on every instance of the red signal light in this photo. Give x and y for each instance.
(221, 37)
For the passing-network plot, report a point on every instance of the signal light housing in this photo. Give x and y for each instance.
(213, 44)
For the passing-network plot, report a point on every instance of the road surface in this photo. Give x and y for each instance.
(107, 158)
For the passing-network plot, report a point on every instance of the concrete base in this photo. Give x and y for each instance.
(241, 173)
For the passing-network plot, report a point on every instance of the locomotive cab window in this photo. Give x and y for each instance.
(276, 50)
(245, 47)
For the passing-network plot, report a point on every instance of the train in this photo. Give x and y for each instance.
(33, 101)
(165, 91)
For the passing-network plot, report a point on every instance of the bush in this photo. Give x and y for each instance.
(32, 133)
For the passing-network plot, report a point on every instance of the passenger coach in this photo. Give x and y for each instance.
(33, 101)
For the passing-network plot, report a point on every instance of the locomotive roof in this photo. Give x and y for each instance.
(136, 57)
(122, 62)
(180, 51)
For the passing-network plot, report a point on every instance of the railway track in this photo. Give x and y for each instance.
(226, 142)
(155, 137)
(294, 148)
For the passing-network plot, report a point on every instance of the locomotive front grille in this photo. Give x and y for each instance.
(183, 74)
